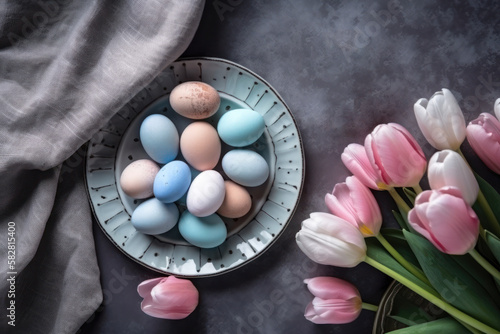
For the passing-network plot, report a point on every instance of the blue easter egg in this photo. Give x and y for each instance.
(240, 127)
(160, 138)
(245, 167)
(154, 217)
(172, 181)
(203, 232)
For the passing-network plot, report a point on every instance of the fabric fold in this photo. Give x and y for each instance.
(66, 67)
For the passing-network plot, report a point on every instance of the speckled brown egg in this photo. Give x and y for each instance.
(195, 100)
(237, 201)
(137, 178)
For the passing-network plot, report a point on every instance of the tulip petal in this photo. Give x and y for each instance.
(483, 135)
(145, 287)
(355, 159)
(395, 155)
(445, 219)
(329, 251)
(455, 127)
(338, 311)
(175, 292)
(321, 311)
(339, 228)
(448, 168)
(366, 207)
(168, 298)
(441, 120)
(327, 239)
(340, 203)
(450, 217)
(153, 311)
(326, 287)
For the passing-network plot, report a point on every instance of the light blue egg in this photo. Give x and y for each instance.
(245, 167)
(172, 181)
(205, 232)
(160, 138)
(155, 217)
(240, 127)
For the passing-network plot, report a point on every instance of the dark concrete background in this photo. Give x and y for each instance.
(342, 67)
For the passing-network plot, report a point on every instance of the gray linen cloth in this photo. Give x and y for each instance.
(66, 66)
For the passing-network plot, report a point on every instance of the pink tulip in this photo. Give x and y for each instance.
(336, 301)
(354, 202)
(168, 297)
(445, 219)
(355, 159)
(483, 135)
(395, 155)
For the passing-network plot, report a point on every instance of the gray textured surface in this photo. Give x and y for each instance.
(342, 67)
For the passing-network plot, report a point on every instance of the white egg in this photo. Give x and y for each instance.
(206, 193)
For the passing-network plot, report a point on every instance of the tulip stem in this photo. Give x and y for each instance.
(399, 200)
(408, 266)
(432, 298)
(482, 232)
(417, 189)
(485, 264)
(369, 307)
(469, 327)
(403, 207)
(489, 213)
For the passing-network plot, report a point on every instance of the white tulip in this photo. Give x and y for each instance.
(328, 239)
(441, 120)
(448, 169)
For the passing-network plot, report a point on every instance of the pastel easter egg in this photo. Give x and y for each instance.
(155, 217)
(195, 100)
(200, 145)
(137, 179)
(245, 167)
(172, 181)
(204, 232)
(160, 138)
(206, 193)
(237, 201)
(240, 127)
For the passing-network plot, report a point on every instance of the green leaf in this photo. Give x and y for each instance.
(480, 274)
(398, 241)
(492, 197)
(455, 284)
(494, 244)
(399, 218)
(405, 321)
(410, 194)
(440, 326)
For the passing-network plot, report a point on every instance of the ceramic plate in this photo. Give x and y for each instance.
(118, 144)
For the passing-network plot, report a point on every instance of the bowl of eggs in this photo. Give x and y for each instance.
(200, 172)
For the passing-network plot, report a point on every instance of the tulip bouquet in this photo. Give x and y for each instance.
(448, 235)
